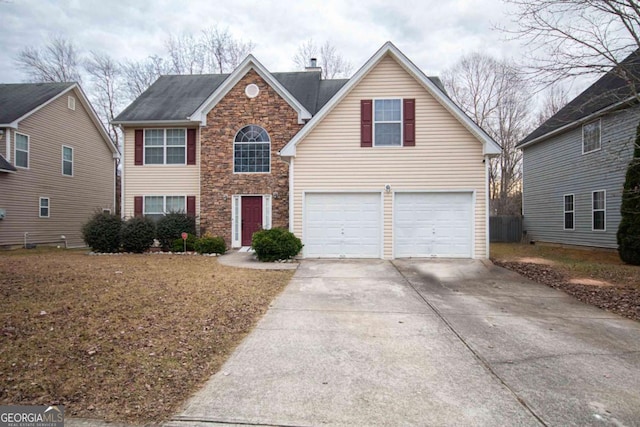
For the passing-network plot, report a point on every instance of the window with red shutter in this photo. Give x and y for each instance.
(139, 147)
(191, 146)
(366, 135)
(191, 205)
(409, 122)
(137, 206)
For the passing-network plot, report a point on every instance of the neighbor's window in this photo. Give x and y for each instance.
(599, 210)
(387, 122)
(252, 150)
(67, 161)
(44, 207)
(21, 153)
(155, 207)
(569, 212)
(591, 137)
(165, 146)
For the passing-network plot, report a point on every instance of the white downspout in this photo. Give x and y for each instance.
(291, 195)
(487, 198)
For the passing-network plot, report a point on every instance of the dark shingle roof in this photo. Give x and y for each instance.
(17, 99)
(6, 166)
(610, 89)
(176, 97)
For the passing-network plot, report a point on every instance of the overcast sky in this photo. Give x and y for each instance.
(432, 33)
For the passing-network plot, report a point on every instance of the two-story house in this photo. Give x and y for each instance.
(57, 164)
(382, 165)
(574, 164)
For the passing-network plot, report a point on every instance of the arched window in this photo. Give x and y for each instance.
(252, 150)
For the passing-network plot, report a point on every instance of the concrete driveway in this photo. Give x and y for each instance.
(425, 343)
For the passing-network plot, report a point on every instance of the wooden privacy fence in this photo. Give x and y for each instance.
(505, 229)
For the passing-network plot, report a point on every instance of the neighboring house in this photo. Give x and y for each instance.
(57, 164)
(383, 165)
(574, 164)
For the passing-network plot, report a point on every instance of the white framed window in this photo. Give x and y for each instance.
(21, 151)
(165, 146)
(387, 122)
(252, 150)
(591, 137)
(569, 212)
(71, 103)
(155, 207)
(44, 207)
(599, 212)
(67, 161)
(106, 210)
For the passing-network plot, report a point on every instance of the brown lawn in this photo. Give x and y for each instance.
(594, 276)
(124, 337)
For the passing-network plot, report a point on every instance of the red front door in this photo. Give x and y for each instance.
(251, 217)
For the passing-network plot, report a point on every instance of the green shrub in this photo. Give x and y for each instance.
(102, 232)
(138, 234)
(275, 244)
(629, 228)
(171, 226)
(211, 245)
(178, 244)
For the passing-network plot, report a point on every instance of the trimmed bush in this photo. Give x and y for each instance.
(178, 244)
(210, 245)
(171, 226)
(275, 244)
(102, 233)
(138, 234)
(629, 228)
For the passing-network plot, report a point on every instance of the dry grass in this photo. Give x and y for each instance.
(126, 337)
(574, 263)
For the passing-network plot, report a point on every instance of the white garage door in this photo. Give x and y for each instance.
(432, 224)
(342, 225)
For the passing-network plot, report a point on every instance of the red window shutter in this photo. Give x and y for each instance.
(409, 122)
(366, 127)
(191, 146)
(137, 206)
(139, 149)
(191, 205)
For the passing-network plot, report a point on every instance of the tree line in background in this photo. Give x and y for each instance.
(565, 39)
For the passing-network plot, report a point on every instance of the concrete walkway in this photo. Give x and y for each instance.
(425, 343)
(245, 258)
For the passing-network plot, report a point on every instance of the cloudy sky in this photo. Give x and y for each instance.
(432, 33)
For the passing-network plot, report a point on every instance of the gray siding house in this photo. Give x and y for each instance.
(57, 164)
(574, 164)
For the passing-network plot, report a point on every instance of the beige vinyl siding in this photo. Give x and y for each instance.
(159, 180)
(72, 199)
(446, 156)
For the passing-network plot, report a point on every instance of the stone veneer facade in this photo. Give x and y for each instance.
(217, 178)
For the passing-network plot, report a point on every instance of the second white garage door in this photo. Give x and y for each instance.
(342, 225)
(433, 224)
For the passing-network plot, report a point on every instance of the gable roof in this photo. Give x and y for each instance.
(20, 100)
(609, 92)
(187, 98)
(6, 166)
(490, 147)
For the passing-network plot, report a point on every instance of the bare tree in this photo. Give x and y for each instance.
(139, 75)
(495, 95)
(57, 61)
(332, 63)
(223, 52)
(568, 38)
(554, 98)
(105, 78)
(186, 54)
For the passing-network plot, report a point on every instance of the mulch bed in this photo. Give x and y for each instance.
(619, 299)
